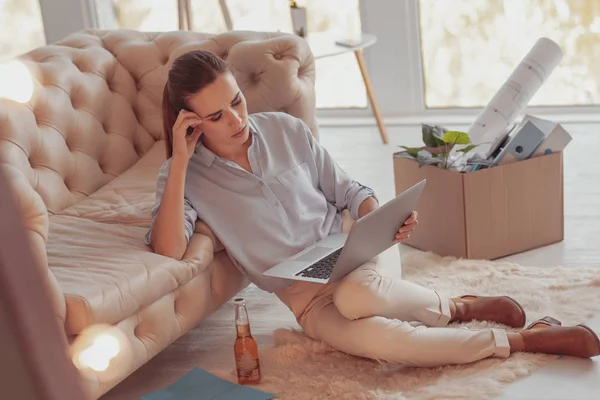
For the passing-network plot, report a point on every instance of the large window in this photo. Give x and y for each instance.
(339, 83)
(338, 80)
(470, 47)
(264, 15)
(158, 15)
(21, 27)
(207, 16)
(139, 15)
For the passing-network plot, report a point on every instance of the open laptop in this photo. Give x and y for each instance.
(335, 256)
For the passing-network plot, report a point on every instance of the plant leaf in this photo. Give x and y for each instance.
(428, 137)
(432, 135)
(468, 148)
(413, 151)
(456, 137)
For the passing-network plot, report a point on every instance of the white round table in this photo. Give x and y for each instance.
(324, 45)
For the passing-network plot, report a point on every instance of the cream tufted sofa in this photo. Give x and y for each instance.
(83, 156)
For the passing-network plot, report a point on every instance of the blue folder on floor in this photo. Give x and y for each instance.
(199, 384)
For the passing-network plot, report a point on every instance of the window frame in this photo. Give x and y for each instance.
(62, 17)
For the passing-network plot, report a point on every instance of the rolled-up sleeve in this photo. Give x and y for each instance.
(339, 188)
(190, 214)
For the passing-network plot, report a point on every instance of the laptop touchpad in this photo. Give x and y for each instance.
(315, 254)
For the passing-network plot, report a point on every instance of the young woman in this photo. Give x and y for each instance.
(268, 189)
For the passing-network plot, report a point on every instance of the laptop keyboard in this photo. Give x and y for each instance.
(322, 268)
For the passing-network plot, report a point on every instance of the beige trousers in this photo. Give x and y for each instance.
(368, 314)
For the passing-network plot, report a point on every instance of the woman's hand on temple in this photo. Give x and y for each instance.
(409, 226)
(184, 144)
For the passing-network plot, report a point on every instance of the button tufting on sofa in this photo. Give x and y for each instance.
(302, 72)
(255, 77)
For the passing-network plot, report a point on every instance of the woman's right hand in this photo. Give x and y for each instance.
(183, 145)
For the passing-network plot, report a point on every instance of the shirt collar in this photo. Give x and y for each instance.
(207, 157)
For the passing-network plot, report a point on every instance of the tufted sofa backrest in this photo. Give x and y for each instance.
(96, 105)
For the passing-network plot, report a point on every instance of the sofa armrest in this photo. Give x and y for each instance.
(35, 218)
(276, 72)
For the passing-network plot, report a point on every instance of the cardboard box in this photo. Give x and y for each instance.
(490, 213)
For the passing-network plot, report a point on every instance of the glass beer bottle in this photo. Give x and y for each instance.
(245, 347)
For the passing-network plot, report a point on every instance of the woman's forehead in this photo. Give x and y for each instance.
(215, 96)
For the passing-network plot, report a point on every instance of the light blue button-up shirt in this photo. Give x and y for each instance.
(292, 198)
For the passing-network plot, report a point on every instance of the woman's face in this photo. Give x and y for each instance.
(222, 106)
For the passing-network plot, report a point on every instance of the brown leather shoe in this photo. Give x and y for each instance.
(501, 309)
(543, 321)
(576, 341)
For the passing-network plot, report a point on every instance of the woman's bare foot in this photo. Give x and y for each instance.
(548, 336)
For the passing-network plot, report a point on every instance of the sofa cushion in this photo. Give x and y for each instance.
(128, 199)
(107, 273)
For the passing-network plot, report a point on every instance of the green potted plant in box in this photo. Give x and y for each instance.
(437, 150)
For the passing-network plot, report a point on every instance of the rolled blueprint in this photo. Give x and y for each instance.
(510, 101)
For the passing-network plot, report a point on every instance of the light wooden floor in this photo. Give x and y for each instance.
(359, 151)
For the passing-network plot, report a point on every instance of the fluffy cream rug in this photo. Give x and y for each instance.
(296, 367)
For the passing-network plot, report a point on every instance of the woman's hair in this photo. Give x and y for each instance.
(189, 74)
